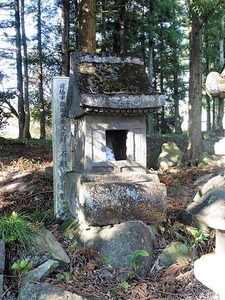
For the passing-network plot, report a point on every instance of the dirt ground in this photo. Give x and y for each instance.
(26, 186)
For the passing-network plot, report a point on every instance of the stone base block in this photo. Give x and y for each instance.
(116, 242)
(210, 270)
(100, 200)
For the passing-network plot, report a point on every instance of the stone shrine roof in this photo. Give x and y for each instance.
(110, 84)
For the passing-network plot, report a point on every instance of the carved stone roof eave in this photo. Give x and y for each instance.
(117, 104)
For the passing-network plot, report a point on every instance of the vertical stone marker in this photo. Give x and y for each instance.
(61, 142)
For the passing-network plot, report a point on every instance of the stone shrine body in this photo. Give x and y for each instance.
(107, 102)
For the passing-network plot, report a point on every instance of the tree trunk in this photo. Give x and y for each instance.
(122, 11)
(221, 100)
(220, 116)
(65, 38)
(21, 113)
(26, 129)
(208, 104)
(195, 90)
(119, 28)
(40, 77)
(103, 31)
(150, 116)
(87, 31)
(176, 104)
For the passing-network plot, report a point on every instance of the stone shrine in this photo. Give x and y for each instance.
(100, 173)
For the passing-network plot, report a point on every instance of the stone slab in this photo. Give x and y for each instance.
(1, 285)
(60, 142)
(2, 256)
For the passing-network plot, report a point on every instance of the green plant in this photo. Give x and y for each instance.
(191, 237)
(74, 242)
(125, 285)
(135, 259)
(107, 259)
(17, 230)
(63, 277)
(199, 237)
(23, 266)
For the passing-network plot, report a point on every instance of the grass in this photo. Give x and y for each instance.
(16, 230)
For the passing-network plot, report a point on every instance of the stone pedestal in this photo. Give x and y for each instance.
(100, 200)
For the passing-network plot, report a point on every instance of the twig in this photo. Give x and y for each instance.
(45, 192)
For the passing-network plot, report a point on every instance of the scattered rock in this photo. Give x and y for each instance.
(210, 209)
(45, 291)
(216, 181)
(174, 253)
(171, 156)
(118, 241)
(47, 247)
(206, 159)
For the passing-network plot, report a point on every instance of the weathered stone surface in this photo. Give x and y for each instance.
(33, 289)
(106, 203)
(210, 271)
(118, 241)
(45, 291)
(214, 182)
(47, 247)
(207, 159)
(41, 271)
(61, 142)
(171, 156)
(109, 82)
(2, 256)
(1, 284)
(201, 181)
(215, 85)
(210, 209)
(174, 253)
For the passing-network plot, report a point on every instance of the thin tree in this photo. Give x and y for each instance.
(21, 113)
(221, 100)
(26, 129)
(40, 74)
(65, 37)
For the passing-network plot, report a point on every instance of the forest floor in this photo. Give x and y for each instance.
(26, 187)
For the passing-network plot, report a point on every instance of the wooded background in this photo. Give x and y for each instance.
(180, 42)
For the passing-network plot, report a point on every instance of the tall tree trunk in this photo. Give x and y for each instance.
(122, 11)
(21, 113)
(150, 116)
(208, 104)
(221, 101)
(214, 113)
(26, 129)
(119, 28)
(195, 89)
(87, 31)
(40, 76)
(103, 31)
(220, 116)
(65, 38)
(176, 104)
